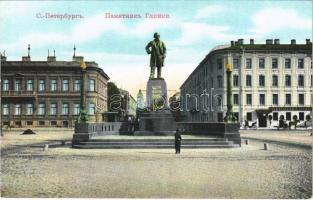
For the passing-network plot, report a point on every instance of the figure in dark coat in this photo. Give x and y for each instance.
(177, 141)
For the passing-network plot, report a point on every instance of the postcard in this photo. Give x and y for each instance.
(156, 99)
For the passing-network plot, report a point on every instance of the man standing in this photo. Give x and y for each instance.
(157, 50)
(177, 141)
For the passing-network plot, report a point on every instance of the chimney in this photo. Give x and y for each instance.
(77, 58)
(276, 41)
(240, 41)
(252, 41)
(293, 42)
(51, 58)
(3, 57)
(27, 58)
(307, 41)
(232, 43)
(269, 41)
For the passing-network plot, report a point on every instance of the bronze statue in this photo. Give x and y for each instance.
(157, 50)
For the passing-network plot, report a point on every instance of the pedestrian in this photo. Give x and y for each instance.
(177, 141)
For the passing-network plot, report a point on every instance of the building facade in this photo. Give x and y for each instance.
(48, 93)
(269, 81)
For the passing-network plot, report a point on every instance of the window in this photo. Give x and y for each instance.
(248, 80)
(300, 80)
(261, 63)
(236, 63)
(301, 116)
(53, 123)
(220, 81)
(77, 85)
(249, 116)
(29, 123)
(275, 80)
(235, 80)
(30, 85)
(275, 99)
(248, 63)
(65, 109)
(288, 116)
(287, 63)
(5, 109)
(275, 116)
(65, 85)
(6, 85)
(219, 63)
(29, 109)
(41, 123)
(287, 80)
(41, 85)
(92, 85)
(17, 109)
(261, 80)
(249, 99)
(92, 109)
(311, 80)
(41, 109)
(300, 63)
(236, 99)
(262, 99)
(288, 99)
(301, 99)
(76, 108)
(53, 109)
(18, 85)
(274, 63)
(53, 85)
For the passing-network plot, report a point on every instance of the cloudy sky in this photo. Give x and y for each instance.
(117, 45)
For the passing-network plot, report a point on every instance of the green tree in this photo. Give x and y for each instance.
(112, 90)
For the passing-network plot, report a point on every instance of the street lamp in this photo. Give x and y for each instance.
(230, 117)
(83, 116)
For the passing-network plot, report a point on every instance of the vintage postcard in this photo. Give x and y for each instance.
(182, 99)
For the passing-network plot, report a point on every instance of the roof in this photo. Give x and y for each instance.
(254, 47)
(53, 64)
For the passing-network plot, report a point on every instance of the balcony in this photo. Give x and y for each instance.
(18, 94)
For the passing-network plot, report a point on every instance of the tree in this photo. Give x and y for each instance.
(112, 90)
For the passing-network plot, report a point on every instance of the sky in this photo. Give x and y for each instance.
(118, 45)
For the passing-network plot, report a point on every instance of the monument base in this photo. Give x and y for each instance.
(154, 123)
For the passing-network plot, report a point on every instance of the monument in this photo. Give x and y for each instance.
(158, 120)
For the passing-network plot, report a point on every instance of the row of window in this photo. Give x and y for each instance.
(261, 63)
(274, 80)
(275, 100)
(42, 85)
(52, 109)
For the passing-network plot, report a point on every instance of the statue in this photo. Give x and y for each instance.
(157, 50)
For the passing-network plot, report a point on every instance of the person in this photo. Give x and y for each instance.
(177, 141)
(157, 51)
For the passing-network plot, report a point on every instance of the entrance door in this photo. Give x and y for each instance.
(262, 120)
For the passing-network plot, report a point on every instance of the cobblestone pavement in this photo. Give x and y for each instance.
(247, 172)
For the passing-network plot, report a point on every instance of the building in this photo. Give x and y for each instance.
(269, 81)
(129, 104)
(48, 93)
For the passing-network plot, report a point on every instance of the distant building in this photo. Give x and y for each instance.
(269, 81)
(129, 104)
(48, 93)
(140, 100)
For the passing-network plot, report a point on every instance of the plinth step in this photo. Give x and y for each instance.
(151, 146)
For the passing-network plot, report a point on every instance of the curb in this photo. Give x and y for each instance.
(307, 146)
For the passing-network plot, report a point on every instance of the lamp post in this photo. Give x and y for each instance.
(1, 133)
(83, 117)
(230, 117)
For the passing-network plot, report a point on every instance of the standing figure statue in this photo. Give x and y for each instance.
(157, 50)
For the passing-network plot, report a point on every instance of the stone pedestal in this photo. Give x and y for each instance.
(159, 122)
(156, 94)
